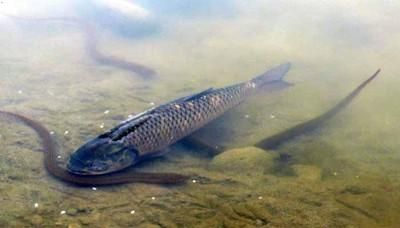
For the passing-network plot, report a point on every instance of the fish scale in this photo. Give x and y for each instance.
(169, 123)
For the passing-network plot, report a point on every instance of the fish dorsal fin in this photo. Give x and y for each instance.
(127, 126)
(193, 96)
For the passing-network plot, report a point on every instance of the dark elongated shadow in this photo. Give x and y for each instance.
(91, 46)
(274, 141)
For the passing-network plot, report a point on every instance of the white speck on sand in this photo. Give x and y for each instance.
(106, 111)
(36, 205)
(66, 132)
(62, 212)
(132, 212)
(94, 188)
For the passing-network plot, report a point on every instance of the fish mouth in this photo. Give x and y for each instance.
(84, 172)
(75, 166)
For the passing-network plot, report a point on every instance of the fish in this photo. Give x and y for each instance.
(148, 134)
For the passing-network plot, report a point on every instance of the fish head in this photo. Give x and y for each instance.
(101, 155)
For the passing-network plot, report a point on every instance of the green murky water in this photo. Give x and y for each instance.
(344, 175)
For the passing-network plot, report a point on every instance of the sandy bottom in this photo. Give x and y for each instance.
(344, 175)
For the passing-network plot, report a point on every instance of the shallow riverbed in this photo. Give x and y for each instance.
(344, 175)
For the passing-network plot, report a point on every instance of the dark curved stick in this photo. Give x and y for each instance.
(276, 140)
(50, 161)
(91, 47)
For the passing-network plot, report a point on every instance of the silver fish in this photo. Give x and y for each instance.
(149, 133)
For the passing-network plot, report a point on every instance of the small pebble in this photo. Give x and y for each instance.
(20, 91)
(59, 157)
(36, 220)
(194, 181)
(106, 111)
(51, 132)
(101, 125)
(36, 205)
(152, 103)
(334, 173)
(153, 198)
(246, 116)
(260, 197)
(62, 212)
(66, 132)
(272, 116)
(132, 212)
(94, 188)
(72, 211)
(74, 225)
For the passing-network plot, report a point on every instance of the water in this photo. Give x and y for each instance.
(344, 175)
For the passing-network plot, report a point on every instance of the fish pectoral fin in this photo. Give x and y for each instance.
(158, 153)
(197, 143)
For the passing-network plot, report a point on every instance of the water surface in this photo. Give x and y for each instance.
(344, 175)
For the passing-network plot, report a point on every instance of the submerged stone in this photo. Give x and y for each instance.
(308, 172)
(247, 159)
(354, 189)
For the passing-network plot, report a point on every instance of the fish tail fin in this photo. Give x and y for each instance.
(275, 74)
(272, 79)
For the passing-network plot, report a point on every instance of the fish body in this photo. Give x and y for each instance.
(149, 133)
